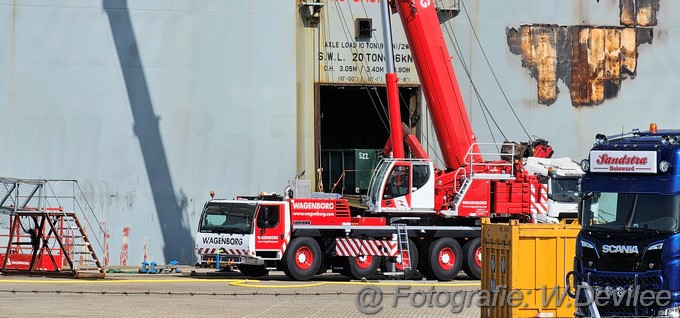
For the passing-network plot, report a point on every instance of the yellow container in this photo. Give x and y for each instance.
(524, 268)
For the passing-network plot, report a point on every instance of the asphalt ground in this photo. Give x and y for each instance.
(209, 293)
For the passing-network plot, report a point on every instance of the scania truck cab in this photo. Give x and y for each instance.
(628, 250)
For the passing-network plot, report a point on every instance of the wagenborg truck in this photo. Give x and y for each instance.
(628, 250)
(304, 237)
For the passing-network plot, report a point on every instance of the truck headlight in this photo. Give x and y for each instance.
(664, 165)
(585, 165)
(587, 244)
(656, 246)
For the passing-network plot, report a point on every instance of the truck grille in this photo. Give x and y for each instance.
(611, 286)
(341, 209)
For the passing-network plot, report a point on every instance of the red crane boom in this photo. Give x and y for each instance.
(433, 63)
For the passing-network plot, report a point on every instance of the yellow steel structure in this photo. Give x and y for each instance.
(524, 268)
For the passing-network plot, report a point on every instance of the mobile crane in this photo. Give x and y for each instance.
(419, 217)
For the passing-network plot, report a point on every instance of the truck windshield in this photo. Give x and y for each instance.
(376, 182)
(233, 218)
(631, 211)
(565, 189)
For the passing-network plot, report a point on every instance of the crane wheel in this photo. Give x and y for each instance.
(445, 258)
(252, 270)
(473, 258)
(393, 263)
(362, 266)
(302, 258)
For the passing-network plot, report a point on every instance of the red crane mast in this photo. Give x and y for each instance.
(438, 80)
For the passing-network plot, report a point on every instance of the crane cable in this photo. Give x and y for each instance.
(428, 144)
(482, 103)
(382, 107)
(457, 50)
(463, 63)
(459, 54)
(474, 32)
(346, 31)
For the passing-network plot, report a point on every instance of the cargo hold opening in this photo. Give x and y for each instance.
(352, 129)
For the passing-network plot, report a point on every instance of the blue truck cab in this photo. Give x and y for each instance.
(628, 250)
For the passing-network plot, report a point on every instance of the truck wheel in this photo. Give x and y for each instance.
(397, 264)
(473, 258)
(445, 258)
(362, 266)
(252, 270)
(302, 258)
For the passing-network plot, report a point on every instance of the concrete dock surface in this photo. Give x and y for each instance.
(196, 292)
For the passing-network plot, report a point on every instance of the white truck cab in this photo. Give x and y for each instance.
(561, 177)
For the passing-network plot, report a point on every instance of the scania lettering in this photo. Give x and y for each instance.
(620, 249)
(630, 217)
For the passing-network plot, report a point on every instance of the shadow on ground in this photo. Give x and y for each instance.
(205, 273)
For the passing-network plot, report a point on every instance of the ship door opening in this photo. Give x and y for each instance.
(353, 127)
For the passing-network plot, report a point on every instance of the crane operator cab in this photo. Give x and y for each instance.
(398, 182)
(402, 186)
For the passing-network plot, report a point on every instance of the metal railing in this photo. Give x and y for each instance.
(42, 195)
(506, 166)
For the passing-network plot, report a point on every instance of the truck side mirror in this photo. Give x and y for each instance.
(262, 224)
(263, 218)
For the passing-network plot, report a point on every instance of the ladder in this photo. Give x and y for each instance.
(461, 193)
(87, 262)
(57, 236)
(49, 221)
(464, 186)
(404, 250)
(404, 253)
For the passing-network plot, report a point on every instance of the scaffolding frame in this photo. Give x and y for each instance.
(49, 213)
